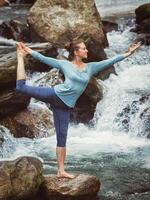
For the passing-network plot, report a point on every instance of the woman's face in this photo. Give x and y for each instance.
(82, 51)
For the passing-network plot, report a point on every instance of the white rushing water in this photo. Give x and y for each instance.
(115, 7)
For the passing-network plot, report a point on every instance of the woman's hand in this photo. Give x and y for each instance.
(132, 48)
(20, 51)
(25, 48)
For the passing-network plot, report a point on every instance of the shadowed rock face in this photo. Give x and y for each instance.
(30, 123)
(142, 13)
(143, 23)
(12, 102)
(20, 178)
(60, 21)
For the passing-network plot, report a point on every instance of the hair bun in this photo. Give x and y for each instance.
(68, 46)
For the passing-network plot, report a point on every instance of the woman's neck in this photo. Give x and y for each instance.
(78, 61)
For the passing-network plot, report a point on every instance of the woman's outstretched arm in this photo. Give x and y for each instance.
(52, 62)
(96, 67)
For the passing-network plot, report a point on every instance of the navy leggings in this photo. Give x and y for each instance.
(61, 112)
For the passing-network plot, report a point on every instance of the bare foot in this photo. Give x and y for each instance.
(64, 174)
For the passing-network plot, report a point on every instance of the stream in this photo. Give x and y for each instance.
(116, 148)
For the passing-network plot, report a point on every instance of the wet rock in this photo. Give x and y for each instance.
(142, 13)
(31, 122)
(4, 2)
(140, 196)
(60, 21)
(8, 64)
(20, 178)
(109, 26)
(16, 30)
(145, 26)
(81, 187)
(145, 116)
(2, 132)
(143, 23)
(22, 1)
(144, 39)
(11, 102)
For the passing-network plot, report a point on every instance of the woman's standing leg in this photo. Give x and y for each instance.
(61, 120)
(61, 115)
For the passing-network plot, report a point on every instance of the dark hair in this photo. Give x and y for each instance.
(72, 46)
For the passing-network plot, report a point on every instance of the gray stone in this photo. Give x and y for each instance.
(20, 178)
(59, 21)
(82, 186)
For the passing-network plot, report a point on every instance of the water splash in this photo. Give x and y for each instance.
(5, 41)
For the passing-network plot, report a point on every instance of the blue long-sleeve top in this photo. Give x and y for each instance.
(76, 80)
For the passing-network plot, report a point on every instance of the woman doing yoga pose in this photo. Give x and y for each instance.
(63, 97)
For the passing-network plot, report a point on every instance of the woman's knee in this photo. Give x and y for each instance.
(20, 85)
(61, 140)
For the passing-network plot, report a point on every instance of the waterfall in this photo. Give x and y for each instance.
(5, 41)
(125, 106)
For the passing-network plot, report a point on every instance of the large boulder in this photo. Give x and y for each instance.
(81, 187)
(31, 122)
(8, 63)
(60, 21)
(142, 13)
(20, 178)
(11, 102)
(143, 23)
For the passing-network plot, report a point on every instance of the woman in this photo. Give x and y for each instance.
(64, 96)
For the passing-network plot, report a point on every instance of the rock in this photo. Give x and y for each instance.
(4, 2)
(22, 1)
(84, 112)
(16, 30)
(32, 122)
(140, 196)
(109, 26)
(2, 132)
(20, 178)
(60, 21)
(143, 23)
(142, 13)
(8, 64)
(11, 102)
(145, 26)
(81, 187)
(145, 117)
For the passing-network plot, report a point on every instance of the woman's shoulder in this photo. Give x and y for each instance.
(64, 62)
